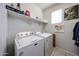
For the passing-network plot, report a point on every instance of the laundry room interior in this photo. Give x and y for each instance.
(39, 29)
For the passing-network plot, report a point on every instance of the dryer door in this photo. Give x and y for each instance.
(48, 46)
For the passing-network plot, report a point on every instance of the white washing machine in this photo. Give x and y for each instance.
(48, 42)
(30, 45)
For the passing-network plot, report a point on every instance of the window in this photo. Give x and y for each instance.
(57, 16)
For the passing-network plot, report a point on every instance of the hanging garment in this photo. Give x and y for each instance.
(76, 34)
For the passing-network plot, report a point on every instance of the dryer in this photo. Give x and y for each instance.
(48, 42)
(31, 45)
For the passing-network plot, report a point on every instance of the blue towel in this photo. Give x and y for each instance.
(76, 34)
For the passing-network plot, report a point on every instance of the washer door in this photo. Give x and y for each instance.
(36, 49)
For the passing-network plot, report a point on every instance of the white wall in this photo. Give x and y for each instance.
(3, 28)
(16, 25)
(47, 12)
(34, 10)
(63, 40)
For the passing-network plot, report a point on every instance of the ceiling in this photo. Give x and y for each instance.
(44, 6)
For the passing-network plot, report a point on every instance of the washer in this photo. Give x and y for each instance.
(48, 42)
(31, 45)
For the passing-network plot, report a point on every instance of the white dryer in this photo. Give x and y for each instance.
(48, 42)
(29, 46)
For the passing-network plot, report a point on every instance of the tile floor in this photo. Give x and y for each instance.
(61, 52)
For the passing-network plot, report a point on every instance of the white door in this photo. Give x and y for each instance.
(36, 49)
(3, 28)
(48, 46)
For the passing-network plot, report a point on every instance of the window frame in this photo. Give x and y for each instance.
(62, 16)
